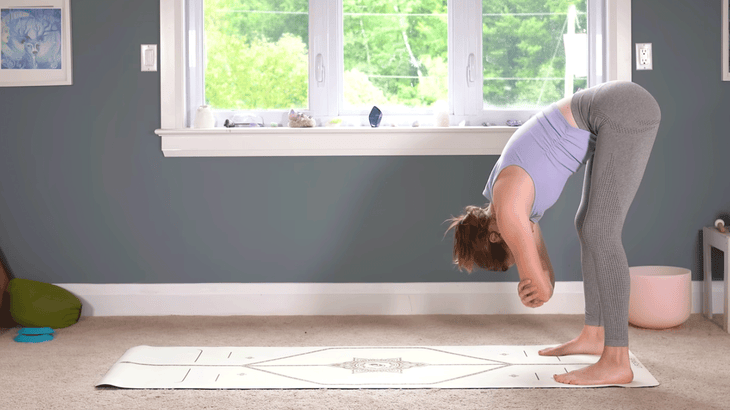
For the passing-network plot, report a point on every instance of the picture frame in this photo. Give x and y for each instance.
(725, 41)
(35, 43)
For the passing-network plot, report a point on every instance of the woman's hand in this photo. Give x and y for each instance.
(528, 294)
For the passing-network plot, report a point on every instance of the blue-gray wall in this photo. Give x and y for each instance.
(86, 195)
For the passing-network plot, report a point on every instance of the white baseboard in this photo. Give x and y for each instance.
(293, 299)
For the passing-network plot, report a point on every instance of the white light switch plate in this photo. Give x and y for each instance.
(149, 57)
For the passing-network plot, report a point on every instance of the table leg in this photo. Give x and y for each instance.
(707, 272)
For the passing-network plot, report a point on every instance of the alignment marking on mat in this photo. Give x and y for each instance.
(384, 348)
(380, 384)
(256, 366)
(456, 354)
(377, 360)
(460, 377)
(186, 375)
(289, 357)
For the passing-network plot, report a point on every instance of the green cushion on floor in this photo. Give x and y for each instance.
(38, 304)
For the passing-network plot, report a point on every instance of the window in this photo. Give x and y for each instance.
(490, 60)
(390, 53)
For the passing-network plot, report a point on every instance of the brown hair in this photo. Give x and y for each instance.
(471, 241)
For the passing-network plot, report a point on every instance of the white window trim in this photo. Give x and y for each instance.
(179, 141)
(725, 40)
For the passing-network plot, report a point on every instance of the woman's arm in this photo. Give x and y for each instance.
(513, 197)
(531, 265)
(544, 257)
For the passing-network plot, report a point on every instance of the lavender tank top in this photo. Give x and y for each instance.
(550, 150)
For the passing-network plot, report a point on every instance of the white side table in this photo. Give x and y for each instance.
(712, 237)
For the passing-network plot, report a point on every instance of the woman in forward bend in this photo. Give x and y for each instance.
(611, 129)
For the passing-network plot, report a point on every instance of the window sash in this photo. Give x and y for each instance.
(326, 60)
(195, 57)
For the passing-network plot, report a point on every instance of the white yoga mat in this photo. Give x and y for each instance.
(442, 367)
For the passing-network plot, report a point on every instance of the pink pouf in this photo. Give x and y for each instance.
(661, 296)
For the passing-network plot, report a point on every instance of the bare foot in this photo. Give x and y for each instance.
(612, 368)
(590, 341)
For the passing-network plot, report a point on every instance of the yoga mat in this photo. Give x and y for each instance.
(391, 367)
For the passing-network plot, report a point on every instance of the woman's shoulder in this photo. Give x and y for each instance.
(514, 188)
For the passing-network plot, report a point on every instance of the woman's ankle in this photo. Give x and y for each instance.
(593, 331)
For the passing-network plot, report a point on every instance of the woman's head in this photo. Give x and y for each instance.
(477, 240)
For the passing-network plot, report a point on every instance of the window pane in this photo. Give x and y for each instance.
(525, 52)
(257, 54)
(396, 52)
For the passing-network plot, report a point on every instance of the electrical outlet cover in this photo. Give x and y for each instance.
(643, 56)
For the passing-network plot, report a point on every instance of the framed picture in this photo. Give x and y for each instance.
(36, 43)
(725, 41)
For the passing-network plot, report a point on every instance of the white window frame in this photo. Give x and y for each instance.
(179, 140)
(725, 52)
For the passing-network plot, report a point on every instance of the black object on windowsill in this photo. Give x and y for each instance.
(375, 117)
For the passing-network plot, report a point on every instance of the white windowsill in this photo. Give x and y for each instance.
(338, 141)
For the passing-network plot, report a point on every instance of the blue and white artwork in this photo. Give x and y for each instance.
(31, 39)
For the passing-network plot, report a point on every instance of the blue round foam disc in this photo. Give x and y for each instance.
(33, 339)
(30, 331)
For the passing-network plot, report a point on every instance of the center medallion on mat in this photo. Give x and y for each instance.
(358, 365)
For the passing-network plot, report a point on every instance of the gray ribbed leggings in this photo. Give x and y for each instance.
(624, 117)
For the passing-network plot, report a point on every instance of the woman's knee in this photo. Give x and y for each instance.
(595, 231)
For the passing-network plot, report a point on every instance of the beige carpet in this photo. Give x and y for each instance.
(691, 362)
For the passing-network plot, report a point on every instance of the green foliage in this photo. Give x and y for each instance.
(360, 91)
(526, 50)
(258, 60)
(253, 69)
(235, 80)
(393, 45)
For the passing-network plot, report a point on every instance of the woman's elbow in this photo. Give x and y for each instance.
(545, 292)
